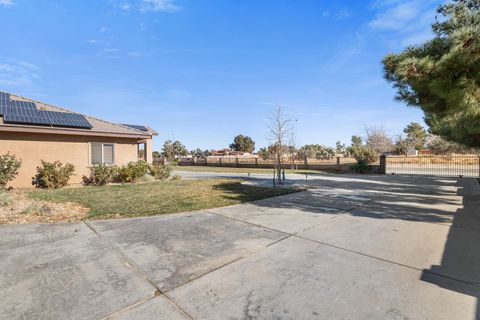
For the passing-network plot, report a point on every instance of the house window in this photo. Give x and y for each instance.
(102, 153)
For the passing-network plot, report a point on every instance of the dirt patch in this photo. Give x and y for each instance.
(16, 208)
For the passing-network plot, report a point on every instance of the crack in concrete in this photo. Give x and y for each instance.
(129, 307)
(348, 250)
(138, 270)
(288, 235)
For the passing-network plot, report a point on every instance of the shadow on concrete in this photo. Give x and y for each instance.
(423, 199)
(393, 197)
(467, 267)
(235, 190)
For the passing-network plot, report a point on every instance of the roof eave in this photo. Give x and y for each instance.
(64, 131)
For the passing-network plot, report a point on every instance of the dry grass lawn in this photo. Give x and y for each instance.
(17, 208)
(158, 197)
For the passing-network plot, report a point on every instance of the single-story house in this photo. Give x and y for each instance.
(34, 131)
(228, 152)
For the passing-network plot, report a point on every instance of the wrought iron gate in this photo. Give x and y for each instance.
(435, 165)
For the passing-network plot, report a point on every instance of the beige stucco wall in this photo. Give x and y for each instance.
(33, 147)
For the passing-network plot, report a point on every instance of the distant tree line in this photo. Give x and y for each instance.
(367, 148)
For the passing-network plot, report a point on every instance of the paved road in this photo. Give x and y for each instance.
(351, 247)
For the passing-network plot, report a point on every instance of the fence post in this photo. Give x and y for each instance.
(236, 161)
(339, 166)
(306, 162)
(383, 164)
(256, 162)
(220, 161)
(194, 160)
(206, 161)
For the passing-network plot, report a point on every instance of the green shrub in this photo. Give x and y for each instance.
(176, 177)
(160, 172)
(100, 175)
(53, 175)
(363, 153)
(9, 166)
(362, 166)
(132, 172)
(5, 199)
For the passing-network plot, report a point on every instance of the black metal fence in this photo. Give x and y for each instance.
(335, 164)
(435, 165)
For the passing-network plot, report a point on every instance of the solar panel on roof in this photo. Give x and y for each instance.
(23, 104)
(4, 99)
(3, 110)
(49, 118)
(26, 112)
(19, 119)
(137, 127)
(63, 119)
(4, 102)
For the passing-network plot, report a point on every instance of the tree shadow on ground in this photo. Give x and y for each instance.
(369, 196)
(460, 239)
(422, 199)
(235, 190)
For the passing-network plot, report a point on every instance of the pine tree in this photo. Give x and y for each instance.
(442, 76)
(416, 135)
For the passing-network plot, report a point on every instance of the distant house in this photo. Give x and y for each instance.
(424, 152)
(412, 151)
(35, 131)
(228, 152)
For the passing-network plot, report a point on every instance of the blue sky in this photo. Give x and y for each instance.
(203, 71)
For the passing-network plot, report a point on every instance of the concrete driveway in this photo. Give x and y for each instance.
(351, 247)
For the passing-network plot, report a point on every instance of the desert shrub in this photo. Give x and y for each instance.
(132, 172)
(9, 166)
(5, 199)
(53, 175)
(364, 153)
(176, 177)
(362, 166)
(160, 172)
(100, 175)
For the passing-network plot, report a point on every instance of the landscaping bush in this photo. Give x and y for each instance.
(53, 175)
(100, 175)
(362, 166)
(160, 172)
(9, 166)
(132, 172)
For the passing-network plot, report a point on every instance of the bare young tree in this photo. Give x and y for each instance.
(378, 139)
(292, 149)
(280, 131)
